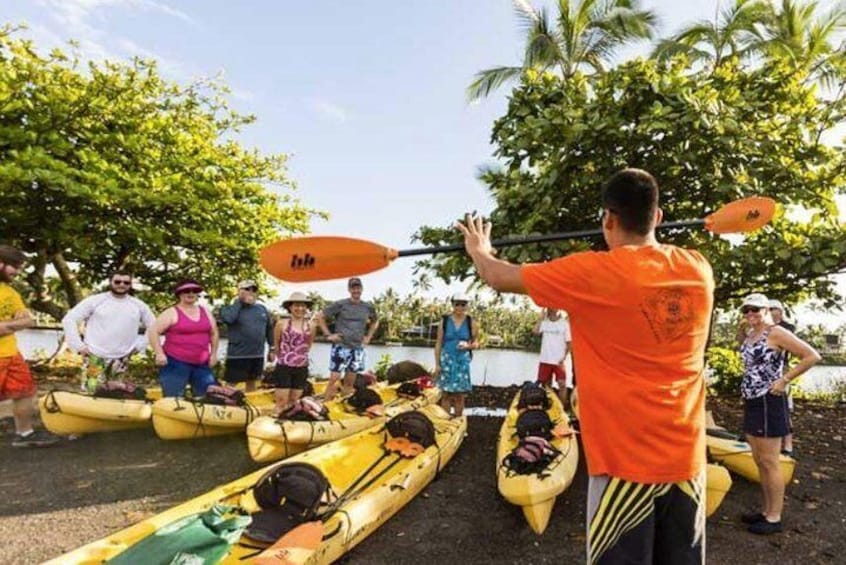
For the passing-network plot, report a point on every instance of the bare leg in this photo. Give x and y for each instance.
(283, 399)
(332, 387)
(459, 405)
(296, 394)
(787, 444)
(446, 401)
(564, 396)
(772, 482)
(349, 381)
(22, 410)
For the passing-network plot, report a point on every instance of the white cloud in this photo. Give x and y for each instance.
(329, 111)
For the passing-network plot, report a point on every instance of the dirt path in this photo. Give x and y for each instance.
(57, 499)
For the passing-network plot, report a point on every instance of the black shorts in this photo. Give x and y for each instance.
(240, 370)
(284, 376)
(766, 416)
(646, 523)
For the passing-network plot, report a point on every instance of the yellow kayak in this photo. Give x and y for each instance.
(536, 492)
(372, 484)
(271, 439)
(736, 455)
(180, 418)
(68, 412)
(718, 483)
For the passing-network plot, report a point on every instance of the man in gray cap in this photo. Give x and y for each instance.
(249, 328)
(355, 324)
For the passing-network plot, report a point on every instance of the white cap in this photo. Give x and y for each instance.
(756, 299)
(459, 297)
(776, 305)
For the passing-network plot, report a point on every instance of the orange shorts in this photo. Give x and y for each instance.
(15, 379)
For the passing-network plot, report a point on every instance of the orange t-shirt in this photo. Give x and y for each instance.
(639, 319)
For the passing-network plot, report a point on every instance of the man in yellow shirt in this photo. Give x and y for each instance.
(16, 381)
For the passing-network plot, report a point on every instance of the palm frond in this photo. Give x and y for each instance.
(489, 80)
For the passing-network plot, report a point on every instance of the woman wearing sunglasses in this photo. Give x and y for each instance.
(766, 418)
(457, 337)
(190, 343)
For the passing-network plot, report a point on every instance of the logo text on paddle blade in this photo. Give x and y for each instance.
(301, 263)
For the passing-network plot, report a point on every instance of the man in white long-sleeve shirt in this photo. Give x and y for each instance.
(112, 320)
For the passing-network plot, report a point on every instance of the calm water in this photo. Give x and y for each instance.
(495, 367)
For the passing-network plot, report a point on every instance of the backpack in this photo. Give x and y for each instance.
(534, 422)
(364, 398)
(224, 395)
(122, 390)
(289, 494)
(469, 328)
(306, 409)
(532, 394)
(532, 455)
(413, 425)
(409, 389)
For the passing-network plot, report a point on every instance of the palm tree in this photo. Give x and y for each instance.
(585, 33)
(800, 33)
(735, 31)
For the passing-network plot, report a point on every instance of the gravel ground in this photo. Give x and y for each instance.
(59, 498)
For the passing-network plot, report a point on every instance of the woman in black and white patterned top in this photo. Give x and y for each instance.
(766, 418)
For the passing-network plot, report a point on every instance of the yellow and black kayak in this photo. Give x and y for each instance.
(271, 439)
(74, 413)
(727, 449)
(535, 492)
(181, 418)
(370, 479)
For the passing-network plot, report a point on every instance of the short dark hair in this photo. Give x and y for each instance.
(120, 272)
(12, 256)
(632, 195)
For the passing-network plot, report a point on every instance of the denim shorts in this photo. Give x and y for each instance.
(344, 359)
(177, 374)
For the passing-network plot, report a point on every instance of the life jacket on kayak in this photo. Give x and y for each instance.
(414, 426)
(532, 455)
(364, 380)
(409, 389)
(289, 494)
(224, 395)
(306, 409)
(123, 390)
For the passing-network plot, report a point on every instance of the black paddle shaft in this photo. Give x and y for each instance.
(520, 240)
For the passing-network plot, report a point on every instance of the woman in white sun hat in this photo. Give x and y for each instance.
(458, 336)
(292, 339)
(766, 419)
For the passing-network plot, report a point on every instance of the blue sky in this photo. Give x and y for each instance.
(366, 97)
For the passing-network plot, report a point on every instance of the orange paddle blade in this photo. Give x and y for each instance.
(740, 216)
(295, 547)
(305, 259)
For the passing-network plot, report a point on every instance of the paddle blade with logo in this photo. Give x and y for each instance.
(295, 547)
(741, 216)
(305, 259)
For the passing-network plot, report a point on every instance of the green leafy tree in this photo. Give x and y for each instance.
(583, 34)
(710, 138)
(108, 166)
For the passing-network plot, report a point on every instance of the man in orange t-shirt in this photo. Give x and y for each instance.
(640, 315)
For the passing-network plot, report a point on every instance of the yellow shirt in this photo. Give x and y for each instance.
(11, 305)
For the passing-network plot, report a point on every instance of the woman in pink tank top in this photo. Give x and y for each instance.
(292, 339)
(190, 343)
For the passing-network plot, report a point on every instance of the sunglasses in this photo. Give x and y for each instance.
(753, 309)
(251, 288)
(127, 283)
(459, 303)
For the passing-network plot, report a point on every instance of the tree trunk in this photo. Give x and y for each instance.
(69, 283)
(43, 301)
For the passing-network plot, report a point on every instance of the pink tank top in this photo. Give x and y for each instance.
(188, 340)
(294, 346)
